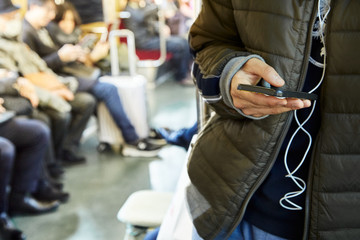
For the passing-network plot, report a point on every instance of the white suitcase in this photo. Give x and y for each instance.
(132, 92)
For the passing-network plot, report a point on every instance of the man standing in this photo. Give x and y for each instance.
(270, 168)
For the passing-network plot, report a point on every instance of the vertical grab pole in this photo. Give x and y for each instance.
(203, 110)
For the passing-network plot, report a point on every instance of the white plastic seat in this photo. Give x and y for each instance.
(142, 210)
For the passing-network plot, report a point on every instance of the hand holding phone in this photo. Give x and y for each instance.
(277, 92)
(88, 41)
(258, 105)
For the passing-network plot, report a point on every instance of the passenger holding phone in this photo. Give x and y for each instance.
(144, 23)
(64, 111)
(39, 14)
(65, 29)
(275, 168)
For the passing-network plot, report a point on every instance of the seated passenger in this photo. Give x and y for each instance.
(39, 14)
(16, 56)
(179, 15)
(19, 96)
(65, 29)
(143, 22)
(23, 143)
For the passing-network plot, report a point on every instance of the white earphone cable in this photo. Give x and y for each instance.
(300, 183)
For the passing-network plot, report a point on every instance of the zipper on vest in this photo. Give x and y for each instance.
(310, 178)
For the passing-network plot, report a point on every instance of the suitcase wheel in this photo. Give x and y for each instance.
(103, 147)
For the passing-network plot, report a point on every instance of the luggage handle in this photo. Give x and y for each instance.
(114, 54)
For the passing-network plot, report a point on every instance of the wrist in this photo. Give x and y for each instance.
(231, 68)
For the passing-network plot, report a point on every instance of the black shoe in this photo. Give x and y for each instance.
(20, 204)
(46, 193)
(156, 138)
(142, 148)
(69, 158)
(56, 170)
(8, 230)
(55, 183)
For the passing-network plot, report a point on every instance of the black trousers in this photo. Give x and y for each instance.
(67, 128)
(23, 143)
(82, 107)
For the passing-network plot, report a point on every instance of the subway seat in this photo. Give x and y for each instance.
(142, 210)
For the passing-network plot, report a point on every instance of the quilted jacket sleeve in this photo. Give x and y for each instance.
(217, 47)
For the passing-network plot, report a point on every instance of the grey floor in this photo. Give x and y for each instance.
(100, 187)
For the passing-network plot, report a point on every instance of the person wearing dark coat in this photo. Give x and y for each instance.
(23, 143)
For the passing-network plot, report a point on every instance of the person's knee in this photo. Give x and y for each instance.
(102, 90)
(43, 129)
(58, 121)
(7, 154)
(111, 89)
(84, 101)
(62, 118)
(41, 132)
(111, 92)
(42, 116)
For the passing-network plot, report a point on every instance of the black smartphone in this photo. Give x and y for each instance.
(277, 92)
(88, 41)
(104, 36)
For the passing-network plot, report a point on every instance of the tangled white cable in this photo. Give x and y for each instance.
(285, 201)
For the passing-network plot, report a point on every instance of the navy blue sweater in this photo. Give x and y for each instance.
(264, 209)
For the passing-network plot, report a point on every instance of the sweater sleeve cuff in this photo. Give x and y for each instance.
(231, 68)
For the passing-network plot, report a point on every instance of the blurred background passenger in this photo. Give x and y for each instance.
(144, 23)
(55, 93)
(65, 29)
(59, 58)
(19, 96)
(23, 143)
(179, 16)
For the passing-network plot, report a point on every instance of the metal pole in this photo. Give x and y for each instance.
(203, 110)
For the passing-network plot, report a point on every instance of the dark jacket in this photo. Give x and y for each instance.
(86, 76)
(143, 22)
(234, 153)
(47, 53)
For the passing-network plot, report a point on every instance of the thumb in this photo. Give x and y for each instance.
(265, 71)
